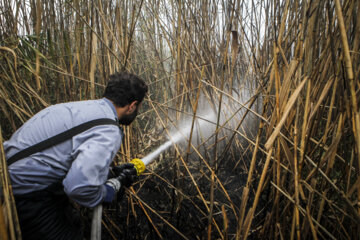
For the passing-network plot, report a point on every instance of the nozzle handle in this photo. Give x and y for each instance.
(139, 165)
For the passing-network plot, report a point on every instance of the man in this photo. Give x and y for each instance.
(77, 168)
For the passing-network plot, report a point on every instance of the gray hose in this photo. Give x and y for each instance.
(96, 223)
(97, 214)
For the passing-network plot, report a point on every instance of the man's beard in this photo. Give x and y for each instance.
(128, 119)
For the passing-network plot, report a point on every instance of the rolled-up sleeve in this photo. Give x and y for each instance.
(93, 151)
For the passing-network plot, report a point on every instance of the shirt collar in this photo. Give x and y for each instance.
(112, 107)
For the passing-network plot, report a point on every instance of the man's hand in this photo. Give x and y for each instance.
(126, 174)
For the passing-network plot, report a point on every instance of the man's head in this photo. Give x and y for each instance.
(126, 91)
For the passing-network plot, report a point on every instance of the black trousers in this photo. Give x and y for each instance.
(48, 215)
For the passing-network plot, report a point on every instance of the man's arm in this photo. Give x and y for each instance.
(93, 151)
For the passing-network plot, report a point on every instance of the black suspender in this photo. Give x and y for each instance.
(59, 138)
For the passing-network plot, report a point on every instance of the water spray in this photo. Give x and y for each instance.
(205, 124)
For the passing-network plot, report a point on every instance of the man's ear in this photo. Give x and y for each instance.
(132, 106)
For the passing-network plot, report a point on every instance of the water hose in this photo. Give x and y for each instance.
(97, 213)
(140, 165)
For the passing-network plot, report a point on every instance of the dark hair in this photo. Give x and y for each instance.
(123, 88)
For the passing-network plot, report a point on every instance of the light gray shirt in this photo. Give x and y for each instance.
(81, 163)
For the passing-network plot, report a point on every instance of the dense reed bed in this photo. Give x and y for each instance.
(282, 163)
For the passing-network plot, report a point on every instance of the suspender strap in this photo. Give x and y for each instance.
(59, 138)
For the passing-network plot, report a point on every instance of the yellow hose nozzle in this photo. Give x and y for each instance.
(139, 165)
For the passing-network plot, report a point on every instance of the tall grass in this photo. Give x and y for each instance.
(292, 174)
